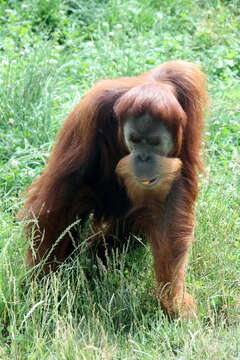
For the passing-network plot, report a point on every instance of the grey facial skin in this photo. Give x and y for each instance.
(146, 139)
(145, 134)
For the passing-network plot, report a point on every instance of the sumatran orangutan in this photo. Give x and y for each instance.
(129, 153)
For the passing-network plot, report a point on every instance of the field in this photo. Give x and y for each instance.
(51, 53)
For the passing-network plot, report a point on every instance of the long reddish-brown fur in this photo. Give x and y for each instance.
(89, 172)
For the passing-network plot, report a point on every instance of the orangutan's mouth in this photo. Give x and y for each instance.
(150, 182)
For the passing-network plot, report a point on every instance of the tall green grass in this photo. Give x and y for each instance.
(51, 52)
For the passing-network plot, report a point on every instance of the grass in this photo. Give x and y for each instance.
(51, 52)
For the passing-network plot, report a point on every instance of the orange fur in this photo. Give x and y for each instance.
(169, 171)
(89, 171)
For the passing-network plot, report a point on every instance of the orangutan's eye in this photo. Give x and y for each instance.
(154, 140)
(135, 138)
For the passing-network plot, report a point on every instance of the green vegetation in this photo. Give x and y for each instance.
(51, 52)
